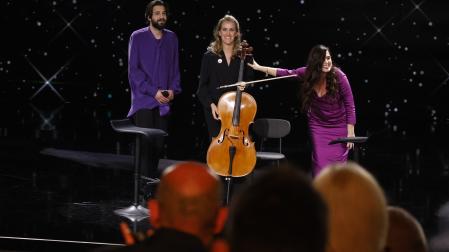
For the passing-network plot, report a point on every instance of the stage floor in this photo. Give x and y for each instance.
(60, 181)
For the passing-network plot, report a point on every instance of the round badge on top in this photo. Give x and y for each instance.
(219, 61)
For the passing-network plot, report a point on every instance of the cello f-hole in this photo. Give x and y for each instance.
(225, 133)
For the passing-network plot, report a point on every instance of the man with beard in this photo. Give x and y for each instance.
(154, 79)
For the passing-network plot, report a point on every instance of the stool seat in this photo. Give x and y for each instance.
(126, 126)
(349, 140)
(355, 140)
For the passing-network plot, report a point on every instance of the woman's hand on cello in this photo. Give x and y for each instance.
(242, 85)
(214, 109)
(260, 68)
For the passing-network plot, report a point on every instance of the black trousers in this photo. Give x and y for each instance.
(151, 150)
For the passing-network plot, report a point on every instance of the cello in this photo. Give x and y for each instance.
(232, 152)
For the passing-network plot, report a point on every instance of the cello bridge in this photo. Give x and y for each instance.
(234, 136)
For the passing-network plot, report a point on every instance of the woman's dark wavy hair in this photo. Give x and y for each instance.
(312, 75)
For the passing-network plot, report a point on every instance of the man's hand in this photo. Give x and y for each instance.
(161, 98)
(171, 95)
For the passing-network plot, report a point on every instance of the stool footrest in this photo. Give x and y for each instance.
(133, 213)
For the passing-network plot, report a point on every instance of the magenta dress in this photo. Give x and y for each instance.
(328, 119)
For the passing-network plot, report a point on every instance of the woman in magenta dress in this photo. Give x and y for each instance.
(326, 98)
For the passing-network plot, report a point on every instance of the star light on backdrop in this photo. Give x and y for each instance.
(46, 118)
(48, 82)
(444, 82)
(68, 25)
(378, 31)
(416, 7)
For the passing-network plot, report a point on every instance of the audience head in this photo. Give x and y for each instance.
(405, 234)
(188, 199)
(279, 211)
(358, 218)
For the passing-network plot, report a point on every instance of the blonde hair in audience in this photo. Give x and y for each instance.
(358, 219)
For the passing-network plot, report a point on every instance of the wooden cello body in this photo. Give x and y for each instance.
(218, 156)
(232, 152)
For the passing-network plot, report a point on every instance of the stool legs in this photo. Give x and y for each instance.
(135, 212)
(136, 171)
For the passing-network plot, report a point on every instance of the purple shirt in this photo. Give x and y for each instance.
(325, 111)
(153, 64)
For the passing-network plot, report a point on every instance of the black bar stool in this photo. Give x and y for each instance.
(135, 212)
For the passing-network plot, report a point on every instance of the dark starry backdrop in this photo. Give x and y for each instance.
(63, 69)
(394, 52)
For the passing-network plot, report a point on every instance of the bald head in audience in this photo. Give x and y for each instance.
(188, 199)
(405, 234)
(357, 209)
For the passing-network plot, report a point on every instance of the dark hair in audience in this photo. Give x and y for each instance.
(405, 233)
(279, 211)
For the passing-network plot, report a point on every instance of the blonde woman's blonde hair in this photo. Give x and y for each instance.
(216, 45)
